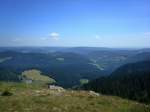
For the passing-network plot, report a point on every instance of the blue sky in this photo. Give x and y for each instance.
(97, 23)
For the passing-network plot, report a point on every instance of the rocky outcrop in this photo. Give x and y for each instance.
(57, 88)
(92, 93)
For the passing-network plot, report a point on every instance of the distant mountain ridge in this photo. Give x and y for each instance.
(80, 50)
(68, 65)
(68, 68)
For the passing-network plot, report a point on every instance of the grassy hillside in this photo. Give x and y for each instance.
(36, 75)
(34, 98)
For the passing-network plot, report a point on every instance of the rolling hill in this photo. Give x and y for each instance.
(65, 64)
(67, 68)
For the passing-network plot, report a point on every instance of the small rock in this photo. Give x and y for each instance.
(57, 88)
(93, 93)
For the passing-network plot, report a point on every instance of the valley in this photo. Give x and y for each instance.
(66, 65)
(120, 77)
(74, 55)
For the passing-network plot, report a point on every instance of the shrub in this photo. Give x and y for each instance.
(6, 93)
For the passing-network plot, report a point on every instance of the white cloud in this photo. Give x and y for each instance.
(54, 36)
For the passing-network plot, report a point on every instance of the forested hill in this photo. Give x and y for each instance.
(65, 67)
(129, 81)
(68, 66)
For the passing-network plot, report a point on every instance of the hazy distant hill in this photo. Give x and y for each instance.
(79, 50)
(142, 56)
(109, 60)
(68, 65)
(67, 68)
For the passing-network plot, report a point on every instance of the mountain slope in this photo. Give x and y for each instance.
(109, 60)
(129, 81)
(143, 56)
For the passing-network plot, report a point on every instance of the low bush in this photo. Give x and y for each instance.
(6, 93)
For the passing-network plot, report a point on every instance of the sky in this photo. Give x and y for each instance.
(94, 23)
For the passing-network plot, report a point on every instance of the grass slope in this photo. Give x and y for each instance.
(35, 98)
(36, 75)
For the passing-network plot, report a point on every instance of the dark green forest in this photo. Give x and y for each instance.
(130, 81)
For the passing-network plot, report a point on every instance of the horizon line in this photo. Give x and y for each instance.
(76, 47)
